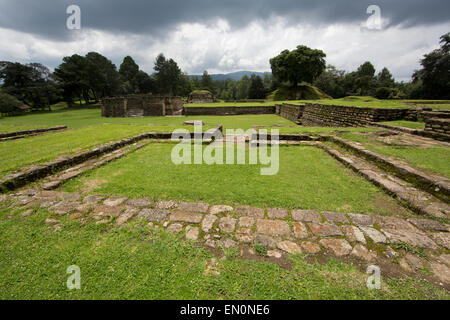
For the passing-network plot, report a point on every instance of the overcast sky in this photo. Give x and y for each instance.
(223, 36)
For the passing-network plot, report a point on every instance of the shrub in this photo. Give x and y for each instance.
(383, 93)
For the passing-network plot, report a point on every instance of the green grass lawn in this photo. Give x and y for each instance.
(42, 148)
(11, 127)
(91, 129)
(316, 130)
(79, 118)
(433, 159)
(308, 179)
(368, 102)
(406, 124)
(137, 262)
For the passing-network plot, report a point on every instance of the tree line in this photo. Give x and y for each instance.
(88, 78)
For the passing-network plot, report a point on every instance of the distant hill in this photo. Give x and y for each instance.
(234, 75)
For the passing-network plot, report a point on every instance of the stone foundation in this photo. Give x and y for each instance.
(438, 125)
(144, 105)
(291, 112)
(228, 111)
(342, 116)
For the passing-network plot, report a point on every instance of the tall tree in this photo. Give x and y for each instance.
(364, 83)
(256, 89)
(385, 79)
(143, 83)
(242, 88)
(435, 72)
(128, 70)
(103, 77)
(301, 65)
(91, 76)
(206, 82)
(167, 75)
(72, 75)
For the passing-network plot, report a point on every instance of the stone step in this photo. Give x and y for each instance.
(435, 184)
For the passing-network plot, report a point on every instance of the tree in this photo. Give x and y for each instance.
(142, 82)
(103, 78)
(242, 88)
(301, 65)
(206, 82)
(385, 79)
(435, 72)
(256, 89)
(128, 71)
(72, 75)
(167, 75)
(84, 77)
(8, 103)
(364, 84)
(331, 81)
(185, 86)
(31, 83)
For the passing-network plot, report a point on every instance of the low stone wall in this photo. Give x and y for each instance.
(432, 183)
(343, 116)
(19, 179)
(417, 132)
(291, 112)
(425, 115)
(438, 125)
(228, 111)
(30, 132)
(143, 105)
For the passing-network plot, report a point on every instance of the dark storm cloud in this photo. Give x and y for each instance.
(46, 18)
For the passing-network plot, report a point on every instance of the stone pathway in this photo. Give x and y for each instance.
(409, 245)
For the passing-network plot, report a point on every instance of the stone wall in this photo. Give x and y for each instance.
(291, 112)
(143, 105)
(438, 125)
(30, 132)
(425, 115)
(228, 111)
(343, 116)
(201, 97)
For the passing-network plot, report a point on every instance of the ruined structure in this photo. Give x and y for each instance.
(201, 96)
(141, 105)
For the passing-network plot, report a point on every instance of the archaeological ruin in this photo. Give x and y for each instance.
(201, 96)
(142, 105)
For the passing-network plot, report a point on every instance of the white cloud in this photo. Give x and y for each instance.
(220, 48)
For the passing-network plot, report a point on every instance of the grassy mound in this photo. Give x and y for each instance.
(201, 92)
(360, 98)
(304, 92)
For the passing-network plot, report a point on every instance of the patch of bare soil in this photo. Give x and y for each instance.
(385, 203)
(93, 184)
